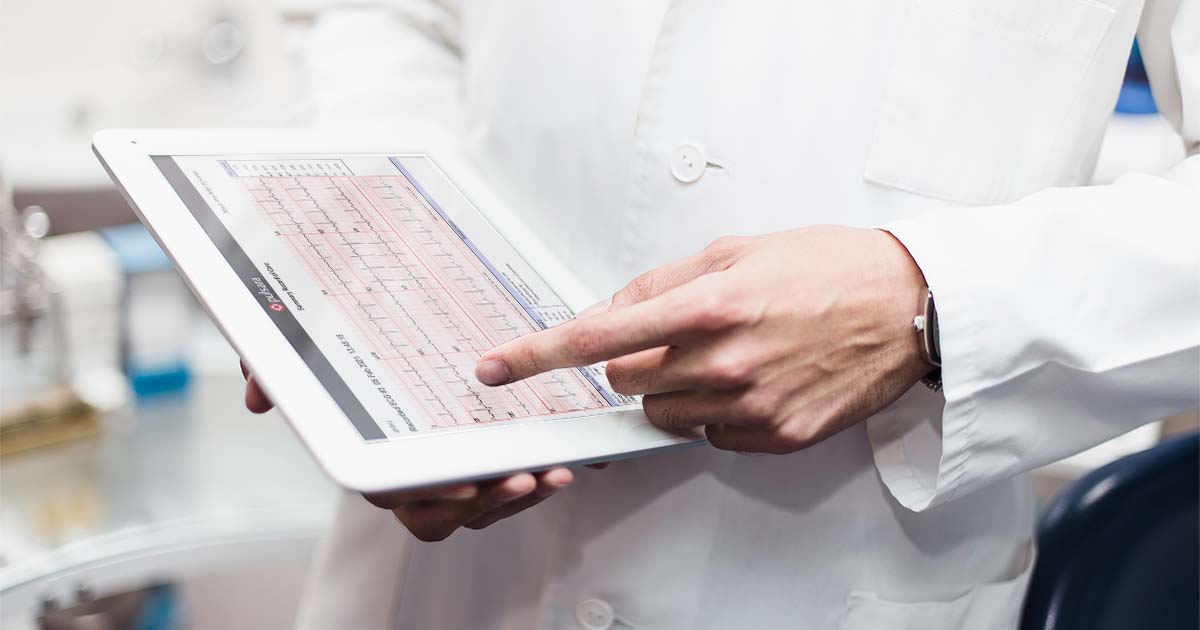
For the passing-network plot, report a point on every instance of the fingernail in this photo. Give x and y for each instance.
(598, 307)
(491, 372)
(508, 491)
(512, 494)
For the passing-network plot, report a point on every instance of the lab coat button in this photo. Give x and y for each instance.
(687, 163)
(595, 614)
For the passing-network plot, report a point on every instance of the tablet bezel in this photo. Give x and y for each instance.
(435, 458)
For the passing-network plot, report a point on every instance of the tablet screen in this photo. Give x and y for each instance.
(388, 284)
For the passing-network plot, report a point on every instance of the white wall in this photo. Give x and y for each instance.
(70, 67)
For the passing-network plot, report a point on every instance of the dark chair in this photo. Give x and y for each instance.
(1119, 549)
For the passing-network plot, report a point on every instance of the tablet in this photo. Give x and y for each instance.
(360, 286)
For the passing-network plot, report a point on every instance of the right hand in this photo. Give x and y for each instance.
(432, 514)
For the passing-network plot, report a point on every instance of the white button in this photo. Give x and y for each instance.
(595, 614)
(687, 163)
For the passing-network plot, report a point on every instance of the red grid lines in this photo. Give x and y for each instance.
(414, 292)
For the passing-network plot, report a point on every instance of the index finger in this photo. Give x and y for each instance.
(660, 321)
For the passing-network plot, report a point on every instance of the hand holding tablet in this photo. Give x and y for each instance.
(432, 514)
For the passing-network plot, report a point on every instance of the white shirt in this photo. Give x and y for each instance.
(1067, 316)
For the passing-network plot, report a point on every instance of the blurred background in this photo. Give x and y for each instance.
(132, 479)
(128, 464)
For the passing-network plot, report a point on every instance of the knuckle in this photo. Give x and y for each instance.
(796, 435)
(721, 251)
(659, 412)
(622, 377)
(640, 288)
(533, 360)
(758, 406)
(585, 343)
(724, 244)
(729, 370)
(718, 311)
(709, 315)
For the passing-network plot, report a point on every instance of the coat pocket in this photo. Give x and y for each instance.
(978, 94)
(991, 606)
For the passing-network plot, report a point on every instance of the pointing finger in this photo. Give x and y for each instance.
(665, 320)
(708, 366)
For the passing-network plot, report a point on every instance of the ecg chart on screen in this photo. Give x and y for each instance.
(411, 287)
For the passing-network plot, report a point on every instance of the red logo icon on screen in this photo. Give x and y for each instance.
(276, 307)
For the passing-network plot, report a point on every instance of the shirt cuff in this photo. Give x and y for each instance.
(922, 442)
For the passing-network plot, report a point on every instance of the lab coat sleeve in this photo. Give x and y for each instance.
(386, 65)
(1067, 318)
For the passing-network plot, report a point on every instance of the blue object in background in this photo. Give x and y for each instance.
(135, 248)
(153, 379)
(139, 255)
(1135, 97)
(162, 610)
(1120, 548)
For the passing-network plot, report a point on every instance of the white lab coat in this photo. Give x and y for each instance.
(1068, 315)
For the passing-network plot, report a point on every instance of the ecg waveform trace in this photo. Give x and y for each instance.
(414, 291)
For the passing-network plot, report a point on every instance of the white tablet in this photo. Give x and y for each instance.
(361, 285)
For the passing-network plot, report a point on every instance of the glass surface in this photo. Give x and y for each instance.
(173, 465)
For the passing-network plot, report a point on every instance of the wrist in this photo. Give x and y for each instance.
(925, 325)
(908, 297)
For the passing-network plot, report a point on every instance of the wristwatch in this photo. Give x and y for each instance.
(926, 326)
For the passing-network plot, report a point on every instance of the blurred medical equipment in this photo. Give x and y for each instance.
(88, 318)
(38, 405)
(1118, 548)
(177, 489)
(157, 314)
(142, 499)
(156, 607)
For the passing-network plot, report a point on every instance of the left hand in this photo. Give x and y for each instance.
(432, 514)
(772, 343)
